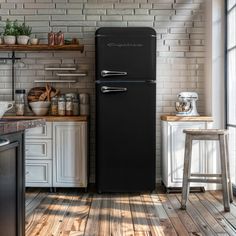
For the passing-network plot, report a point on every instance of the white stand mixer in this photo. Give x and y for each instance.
(186, 106)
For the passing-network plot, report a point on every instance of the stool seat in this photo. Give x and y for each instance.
(205, 131)
(220, 135)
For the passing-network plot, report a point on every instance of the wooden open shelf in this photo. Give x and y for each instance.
(42, 47)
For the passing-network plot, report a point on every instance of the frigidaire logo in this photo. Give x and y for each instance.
(121, 45)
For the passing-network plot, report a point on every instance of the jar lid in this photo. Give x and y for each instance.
(20, 91)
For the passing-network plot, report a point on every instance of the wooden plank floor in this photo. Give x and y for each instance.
(72, 213)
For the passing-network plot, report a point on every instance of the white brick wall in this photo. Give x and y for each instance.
(180, 31)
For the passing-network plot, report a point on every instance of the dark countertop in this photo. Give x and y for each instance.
(15, 125)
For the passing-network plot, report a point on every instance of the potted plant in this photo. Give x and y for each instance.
(10, 32)
(24, 32)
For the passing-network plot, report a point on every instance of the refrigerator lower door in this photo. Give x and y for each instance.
(125, 137)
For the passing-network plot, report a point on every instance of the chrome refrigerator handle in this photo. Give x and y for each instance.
(4, 142)
(106, 73)
(106, 89)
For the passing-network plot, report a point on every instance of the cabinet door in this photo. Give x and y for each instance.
(70, 154)
(38, 173)
(176, 151)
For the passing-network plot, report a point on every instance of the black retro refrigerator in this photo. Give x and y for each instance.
(125, 109)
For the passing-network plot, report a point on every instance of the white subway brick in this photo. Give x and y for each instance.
(162, 6)
(126, 6)
(138, 18)
(145, 5)
(196, 30)
(75, 29)
(178, 31)
(94, 18)
(179, 48)
(141, 11)
(184, 12)
(68, 17)
(171, 54)
(186, 6)
(190, 42)
(39, 5)
(51, 11)
(7, 5)
(141, 24)
(197, 36)
(163, 48)
(197, 48)
(162, 18)
(162, 12)
(99, 5)
(171, 42)
(111, 18)
(182, 18)
(90, 11)
(69, 6)
(175, 36)
(162, 30)
(195, 54)
(112, 24)
(120, 11)
(38, 18)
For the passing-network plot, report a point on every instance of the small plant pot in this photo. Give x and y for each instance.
(9, 39)
(22, 39)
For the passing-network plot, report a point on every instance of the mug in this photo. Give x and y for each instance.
(5, 106)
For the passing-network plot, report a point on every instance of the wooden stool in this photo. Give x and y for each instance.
(224, 177)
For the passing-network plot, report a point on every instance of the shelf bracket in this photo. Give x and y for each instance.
(13, 58)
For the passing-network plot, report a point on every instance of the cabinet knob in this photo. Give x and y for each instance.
(27, 173)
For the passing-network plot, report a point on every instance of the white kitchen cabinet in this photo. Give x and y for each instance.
(38, 173)
(56, 155)
(173, 145)
(38, 155)
(70, 154)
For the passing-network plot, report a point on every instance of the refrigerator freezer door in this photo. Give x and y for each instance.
(125, 137)
(125, 54)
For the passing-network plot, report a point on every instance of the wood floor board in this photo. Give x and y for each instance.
(197, 218)
(73, 213)
(173, 216)
(216, 214)
(211, 221)
(190, 226)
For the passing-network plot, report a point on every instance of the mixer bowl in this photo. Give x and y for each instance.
(183, 106)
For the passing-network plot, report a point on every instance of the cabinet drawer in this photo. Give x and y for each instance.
(38, 149)
(40, 132)
(38, 173)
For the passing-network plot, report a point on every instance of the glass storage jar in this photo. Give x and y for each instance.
(54, 106)
(20, 101)
(61, 106)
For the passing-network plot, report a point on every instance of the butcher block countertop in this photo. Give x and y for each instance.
(8, 126)
(173, 118)
(51, 118)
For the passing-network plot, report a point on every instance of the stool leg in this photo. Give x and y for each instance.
(224, 172)
(187, 170)
(227, 161)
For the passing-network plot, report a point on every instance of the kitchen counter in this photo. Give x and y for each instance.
(49, 118)
(173, 118)
(13, 125)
